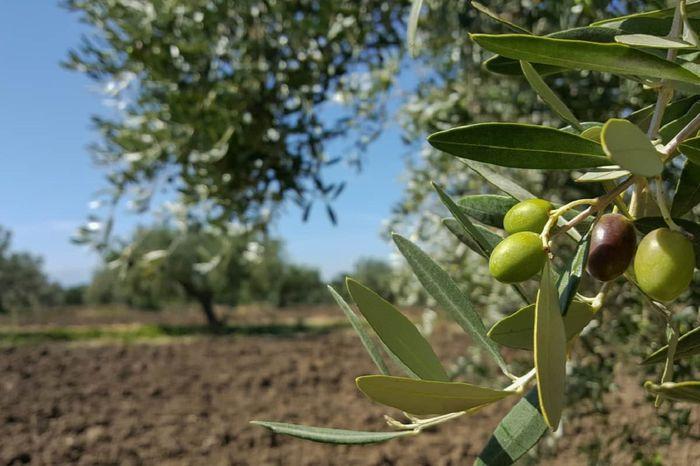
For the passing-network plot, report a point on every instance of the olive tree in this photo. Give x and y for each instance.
(642, 168)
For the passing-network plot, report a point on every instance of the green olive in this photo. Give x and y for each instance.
(517, 258)
(613, 242)
(530, 215)
(664, 264)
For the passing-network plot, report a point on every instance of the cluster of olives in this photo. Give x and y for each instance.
(521, 256)
(664, 260)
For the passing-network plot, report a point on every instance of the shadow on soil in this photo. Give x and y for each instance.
(15, 336)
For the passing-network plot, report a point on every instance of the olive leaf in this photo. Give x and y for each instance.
(487, 208)
(461, 234)
(463, 219)
(427, 397)
(687, 190)
(630, 148)
(567, 285)
(691, 149)
(412, 29)
(508, 66)
(674, 110)
(445, 291)
(327, 435)
(516, 330)
(601, 176)
(648, 20)
(516, 434)
(655, 42)
(592, 133)
(493, 15)
(498, 180)
(359, 328)
(576, 54)
(550, 349)
(399, 335)
(519, 146)
(679, 391)
(548, 96)
(670, 129)
(688, 345)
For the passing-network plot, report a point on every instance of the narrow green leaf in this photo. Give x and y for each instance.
(550, 349)
(674, 110)
(592, 133)
(670, 129)
(412, 29)
(359, 328)
(493, 15)
(487, 208)
(501, 182)
(510, 187)
(629, 147)
(689, 32)
(655, 42)
(601, 176)
(548, 96)
(577, 54)
(520, 146)
(648, 224)
(508, 66)
(516, 434)
(397, 333)
(516, 330)
(691, 149)
(445, 291)
(666, 13)
(687, 190)
(464, 220)
(688, 345)
(679, 391)
(326, 435)
(427, 397)
(458, 230)
(567, 286)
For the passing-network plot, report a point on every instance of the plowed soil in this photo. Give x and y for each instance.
(189, 402)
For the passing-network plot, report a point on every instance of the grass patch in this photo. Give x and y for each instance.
(130, 333)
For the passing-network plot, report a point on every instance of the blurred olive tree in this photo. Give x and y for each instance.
(23, 283)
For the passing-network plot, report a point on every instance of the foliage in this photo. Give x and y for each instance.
(219, 99)
(645, 162)
(23, 283)
(161, 266)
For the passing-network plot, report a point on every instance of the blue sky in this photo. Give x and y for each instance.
(47, 178)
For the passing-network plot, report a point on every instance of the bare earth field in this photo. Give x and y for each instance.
(188, 400)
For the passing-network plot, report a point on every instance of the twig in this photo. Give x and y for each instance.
(600, 203)
(663, 205)
(689, 130)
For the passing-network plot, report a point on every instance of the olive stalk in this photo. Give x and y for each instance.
(417, 424)
(689, 130)
(663, 205)
(595, 206)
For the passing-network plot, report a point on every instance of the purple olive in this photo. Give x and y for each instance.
(613, 243)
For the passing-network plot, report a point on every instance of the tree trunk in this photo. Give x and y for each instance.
(206, 300)
(207, 304)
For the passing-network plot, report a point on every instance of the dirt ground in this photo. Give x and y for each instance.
(189, 401)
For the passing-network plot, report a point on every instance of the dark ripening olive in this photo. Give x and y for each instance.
(529, 215)
(517, 258)
(664, 264)
(613, 243)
